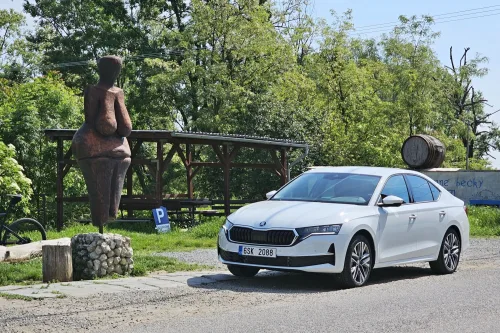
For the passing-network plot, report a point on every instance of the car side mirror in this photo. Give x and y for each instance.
(270, 194)
(391, 201)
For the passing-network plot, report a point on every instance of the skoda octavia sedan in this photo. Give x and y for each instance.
(347, 221)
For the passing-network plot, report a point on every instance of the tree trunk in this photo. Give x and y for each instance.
(57, 263)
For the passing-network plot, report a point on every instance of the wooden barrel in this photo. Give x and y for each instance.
(423, 152)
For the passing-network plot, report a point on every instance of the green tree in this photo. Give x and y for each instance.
(12, 178)
(26, 110)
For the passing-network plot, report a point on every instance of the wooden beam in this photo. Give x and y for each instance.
(207, 164)
(181, 154)
(59, 184)
(284, 168)
(227, 170)
(169, 157)
(195, 171)
(189, 171)
(130, 174)
(276, 161)
(159, 172)
(253, 165)
(136, 147)
(219, 153)
(233, 153)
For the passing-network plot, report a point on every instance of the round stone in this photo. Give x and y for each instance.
(118, 269)
(97, 264)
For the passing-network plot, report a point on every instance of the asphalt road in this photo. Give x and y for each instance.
(400, 299)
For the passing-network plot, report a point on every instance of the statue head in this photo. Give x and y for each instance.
(109, 68)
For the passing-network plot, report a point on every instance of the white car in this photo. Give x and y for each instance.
(347, 221)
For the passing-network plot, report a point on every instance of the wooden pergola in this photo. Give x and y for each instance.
(225, 147)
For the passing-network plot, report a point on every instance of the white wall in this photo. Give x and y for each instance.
(469, 185)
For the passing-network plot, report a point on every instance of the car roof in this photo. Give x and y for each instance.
(363, 170)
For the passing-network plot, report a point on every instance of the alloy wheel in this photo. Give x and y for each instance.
(360, 262)
(451, 251)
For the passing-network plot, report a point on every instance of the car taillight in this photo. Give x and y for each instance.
(466, 210)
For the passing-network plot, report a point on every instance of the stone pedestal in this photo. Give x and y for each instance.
(98, 255)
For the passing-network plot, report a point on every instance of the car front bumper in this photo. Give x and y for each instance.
(317, 254)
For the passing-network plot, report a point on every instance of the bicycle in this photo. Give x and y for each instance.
(20, 231)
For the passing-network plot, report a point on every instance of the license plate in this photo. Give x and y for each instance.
(257, 251)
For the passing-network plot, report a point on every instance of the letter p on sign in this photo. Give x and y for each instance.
(161, 219)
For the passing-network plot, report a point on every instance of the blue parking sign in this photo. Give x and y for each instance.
(161, 219)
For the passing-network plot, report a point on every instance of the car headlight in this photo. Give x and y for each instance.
(320, 229)
(227, 225)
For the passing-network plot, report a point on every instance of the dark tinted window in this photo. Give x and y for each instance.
(420, 189)
(396, 185)
(435, 191)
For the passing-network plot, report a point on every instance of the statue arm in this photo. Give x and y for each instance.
(122, 117)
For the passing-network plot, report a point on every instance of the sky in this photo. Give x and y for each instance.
(480, 34)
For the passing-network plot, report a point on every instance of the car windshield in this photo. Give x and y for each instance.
(346, 188)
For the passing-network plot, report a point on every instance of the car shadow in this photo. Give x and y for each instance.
(296, 283)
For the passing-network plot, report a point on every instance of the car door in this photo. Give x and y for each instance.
(396, 240)
(430, 216)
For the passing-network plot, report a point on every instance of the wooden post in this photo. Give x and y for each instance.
(189, 171)
(284, 167)
(130, 175)
(159, 172)
(60, 188)
(57, 263)
(227, 170)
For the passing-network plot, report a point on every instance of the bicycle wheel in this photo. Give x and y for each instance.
(28, 230)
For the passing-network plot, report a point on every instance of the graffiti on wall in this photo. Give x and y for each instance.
(473, 187)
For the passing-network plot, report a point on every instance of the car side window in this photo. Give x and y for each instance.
(396, 185)
(420, 188)
(435, 192)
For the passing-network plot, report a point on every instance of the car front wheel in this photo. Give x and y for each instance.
(358, 263)
(243, 271)
(449, 254)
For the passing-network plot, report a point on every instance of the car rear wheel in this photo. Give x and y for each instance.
(358, 263)
(243, 271)
(449, 255)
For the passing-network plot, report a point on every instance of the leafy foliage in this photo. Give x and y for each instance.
(243, 66)
(12, 178)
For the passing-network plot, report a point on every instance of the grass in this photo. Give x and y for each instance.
(145, 242)
(484, 221)
(22, 272)
(19, 297)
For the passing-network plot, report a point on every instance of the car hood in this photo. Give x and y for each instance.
(296, 214)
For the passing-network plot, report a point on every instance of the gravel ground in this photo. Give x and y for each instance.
(399, 299)
(206, 257)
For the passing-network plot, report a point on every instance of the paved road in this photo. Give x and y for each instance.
(401, 299)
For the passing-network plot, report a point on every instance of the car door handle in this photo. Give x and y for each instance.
(412, 218)
(442, 213)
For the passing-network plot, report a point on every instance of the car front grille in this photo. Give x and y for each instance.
(278, 261)
(261, 237)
